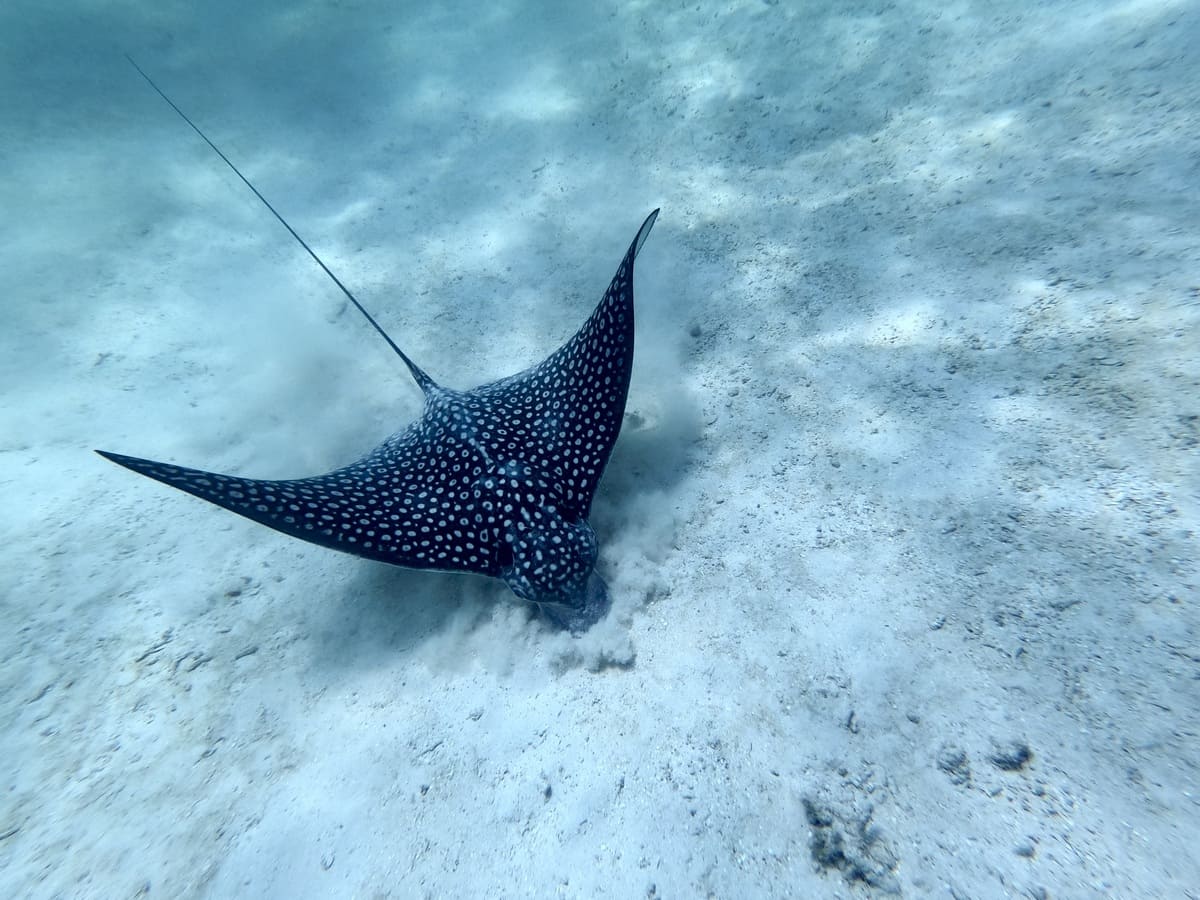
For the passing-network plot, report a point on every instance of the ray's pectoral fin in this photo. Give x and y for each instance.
(261, 501)
(222, 490)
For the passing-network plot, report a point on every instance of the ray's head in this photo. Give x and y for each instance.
(551, 562)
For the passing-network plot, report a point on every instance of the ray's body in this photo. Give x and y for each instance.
(497, 480)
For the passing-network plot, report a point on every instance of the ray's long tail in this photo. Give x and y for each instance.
(423, 380)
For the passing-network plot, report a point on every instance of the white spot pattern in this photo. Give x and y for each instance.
(498, 480)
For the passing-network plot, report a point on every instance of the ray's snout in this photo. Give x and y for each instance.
(583, 611)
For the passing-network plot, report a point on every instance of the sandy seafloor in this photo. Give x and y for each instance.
(901, 528)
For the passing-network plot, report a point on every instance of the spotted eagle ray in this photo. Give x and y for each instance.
(498, 480)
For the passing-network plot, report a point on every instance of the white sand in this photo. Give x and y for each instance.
(908, 491)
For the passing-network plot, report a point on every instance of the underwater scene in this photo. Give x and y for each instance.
(631, 449)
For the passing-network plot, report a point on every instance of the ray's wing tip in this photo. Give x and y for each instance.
(133, 463)
(119, 458)
(644, 232)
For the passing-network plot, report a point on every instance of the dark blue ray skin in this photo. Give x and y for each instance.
(498, 480)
